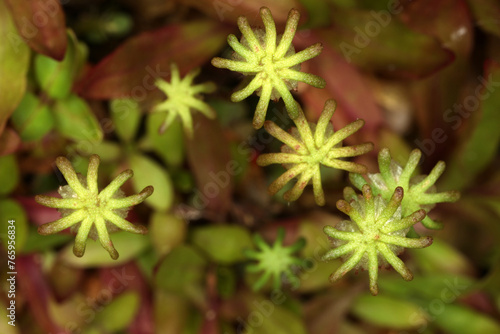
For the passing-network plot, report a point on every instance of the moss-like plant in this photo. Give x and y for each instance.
(307, 148)
(374, 236)
(274, 261)
(182, 97)
(89, 212)
(274, 65)
(420, 192)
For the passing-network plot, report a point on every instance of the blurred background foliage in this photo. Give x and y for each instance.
(78, 79)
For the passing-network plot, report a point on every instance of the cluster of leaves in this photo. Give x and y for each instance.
(219, 248)
(44, 106)
(378, 227)
(310, 146)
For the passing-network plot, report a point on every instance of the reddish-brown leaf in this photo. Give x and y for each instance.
(42, 25)
(131, 70)
(346, 85)
(450, 23)
(380, 42)
(228, 11)
(478, 146)
(37, 213)
(33, 285)
(209, 158)
(9, 142)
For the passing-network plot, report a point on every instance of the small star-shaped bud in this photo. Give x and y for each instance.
(89, 212)
(274, 261)
(307, 148)
(374, 236)
(182, 96)
(274, 65)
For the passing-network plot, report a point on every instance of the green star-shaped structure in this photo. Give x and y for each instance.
(274, 65)
(90, 212)
(182, 97)
(307, 148)
(420, 192)
(374, 236)
(274, 261)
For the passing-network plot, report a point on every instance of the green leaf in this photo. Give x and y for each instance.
(317, 242)
(480, 146)
(127, 244)
(56, 77)
(272, 317)
(319, 13)
(69, 310)
(118, 315)
(126, 115)
(75, 120)
(486, 14)
(5, 328)
(166, 231)
(171, 312)
(183, 180)
(457, 319)
(380, 42)
(109, 151)
(182, 272)
(14, 63)
(147, 262)
(400, 150)
(9, 177)
(32, 118)
(312, 276)
(227, 282)
(170, 144)
(223, 244)
(313, 279)
(388, 312)
(148, 172)
(40, 243)
(347, 327)
(442, 258)
(423, 289)
(11, 210)
(229, 113)
(194, 323)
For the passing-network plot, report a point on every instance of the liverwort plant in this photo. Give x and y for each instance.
(182, 97)
(90, 212)
(274, 65)
(274, 261)
(374, 236)
(307, 148)
(420, 192)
